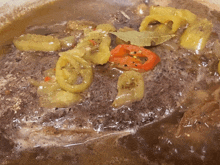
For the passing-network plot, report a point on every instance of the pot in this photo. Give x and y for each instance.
(125, 145)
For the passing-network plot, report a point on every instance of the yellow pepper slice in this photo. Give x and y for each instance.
(51, 95)
(130, 88)
(84, 46)
(177, 21)
(196, 35)
(106, 27)
(80, 25)
(187, 15)
(46, 88)
(80, 67)
(102, 56)
(34, 42)
(80, 52)
(163, 29)
(59, 99)
(94, 47)
(68, 41)
(183, 13)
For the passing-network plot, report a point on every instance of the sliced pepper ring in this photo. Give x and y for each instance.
(130, 88)
(82, 67)
(177, 21)
(126, 57)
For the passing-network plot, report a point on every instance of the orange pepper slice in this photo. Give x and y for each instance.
(93, 42)
(126, 57)
(47, 79)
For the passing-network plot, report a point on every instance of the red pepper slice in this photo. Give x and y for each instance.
(47, 79)
(93, 42)
(126, 57)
